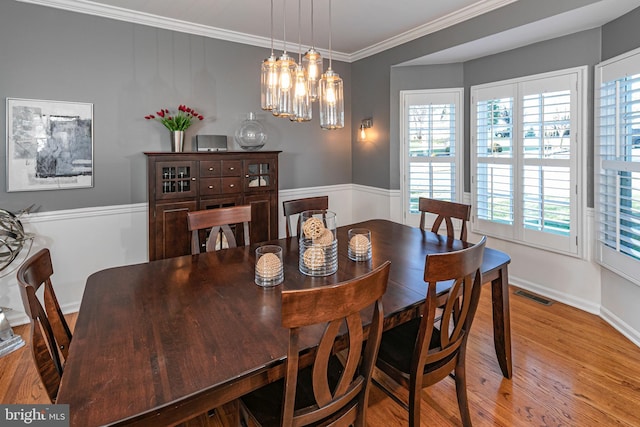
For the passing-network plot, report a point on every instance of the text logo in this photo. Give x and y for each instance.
(34, 415)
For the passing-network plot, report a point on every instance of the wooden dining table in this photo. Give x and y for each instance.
(157, 343)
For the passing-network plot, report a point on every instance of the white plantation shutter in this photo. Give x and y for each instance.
(618, 163)
(432, 139)
(525, 159)
(494, 160)
(549, 181)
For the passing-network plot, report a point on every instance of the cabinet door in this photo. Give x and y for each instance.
(263, 222)
(260, 174)
(172, 237)
(176, 179)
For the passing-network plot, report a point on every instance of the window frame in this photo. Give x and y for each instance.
(611, 70)
(436, 96)
(572, 244)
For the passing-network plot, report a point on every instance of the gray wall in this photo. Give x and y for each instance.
(570, 51)
(128, 71)
(621, 35)
(377, 163)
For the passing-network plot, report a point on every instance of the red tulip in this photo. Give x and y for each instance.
(181, 121)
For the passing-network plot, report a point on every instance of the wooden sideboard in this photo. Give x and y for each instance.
(183, 182)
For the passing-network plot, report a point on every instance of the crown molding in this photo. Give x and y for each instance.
(121, 14)
(461, 15)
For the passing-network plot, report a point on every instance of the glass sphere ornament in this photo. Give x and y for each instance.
(251, 135)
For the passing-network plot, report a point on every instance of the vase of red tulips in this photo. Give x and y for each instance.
(177, 123)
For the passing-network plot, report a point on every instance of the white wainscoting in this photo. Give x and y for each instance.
(570, 280)
(83, 241)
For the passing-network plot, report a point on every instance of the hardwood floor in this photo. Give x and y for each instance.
(570, 369)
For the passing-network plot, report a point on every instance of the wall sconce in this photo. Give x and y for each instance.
(364, 125)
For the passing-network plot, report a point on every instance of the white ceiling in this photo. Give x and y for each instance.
(359, 28)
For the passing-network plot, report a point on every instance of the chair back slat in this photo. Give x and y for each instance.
(293, 207)
(218, 222)
(445, 211)
(50, 333)
(343, 401)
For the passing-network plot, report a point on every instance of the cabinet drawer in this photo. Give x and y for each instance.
(231, 167)
(210, 168)
(231, 185)
(209, 186)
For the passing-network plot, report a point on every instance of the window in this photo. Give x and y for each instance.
(525, 153)
(618, 163)
(431, 135)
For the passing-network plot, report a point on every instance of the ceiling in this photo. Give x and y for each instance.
(359, 28)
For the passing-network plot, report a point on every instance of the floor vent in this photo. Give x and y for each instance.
(536, 298)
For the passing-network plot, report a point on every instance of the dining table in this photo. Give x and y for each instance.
(159, 342)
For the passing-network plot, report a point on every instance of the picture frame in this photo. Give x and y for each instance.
(49, 145)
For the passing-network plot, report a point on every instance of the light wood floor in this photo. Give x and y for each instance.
(570, 369)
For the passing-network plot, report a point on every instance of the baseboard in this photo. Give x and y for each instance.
(553, 294)
(620, 325)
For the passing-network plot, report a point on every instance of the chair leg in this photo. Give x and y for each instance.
(461, 392)
(415, 397)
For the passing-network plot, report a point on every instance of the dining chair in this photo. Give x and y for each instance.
(219, 222)
(50, 333)
(293, 207)
(326, 390)
(420, 353)
(444, 210)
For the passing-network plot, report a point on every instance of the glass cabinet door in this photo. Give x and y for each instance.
(259, 174)
(175, 179)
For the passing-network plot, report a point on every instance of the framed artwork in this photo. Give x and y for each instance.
(49, 145)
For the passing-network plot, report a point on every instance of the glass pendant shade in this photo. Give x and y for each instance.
(312, 63)
(286, 69)
(301, 102)
(268, 84)
(331, 101)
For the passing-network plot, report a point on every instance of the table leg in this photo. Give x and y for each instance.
(502, 321)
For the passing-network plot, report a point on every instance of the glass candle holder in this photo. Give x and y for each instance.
(359, 244)
(269, 269)
(318, 243)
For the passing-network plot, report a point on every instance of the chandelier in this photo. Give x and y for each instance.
(288, 89)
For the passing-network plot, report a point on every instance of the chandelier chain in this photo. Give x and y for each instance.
(271, 27)
(312, 38)
(284, 25)
(299, 36)
(330, 30)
